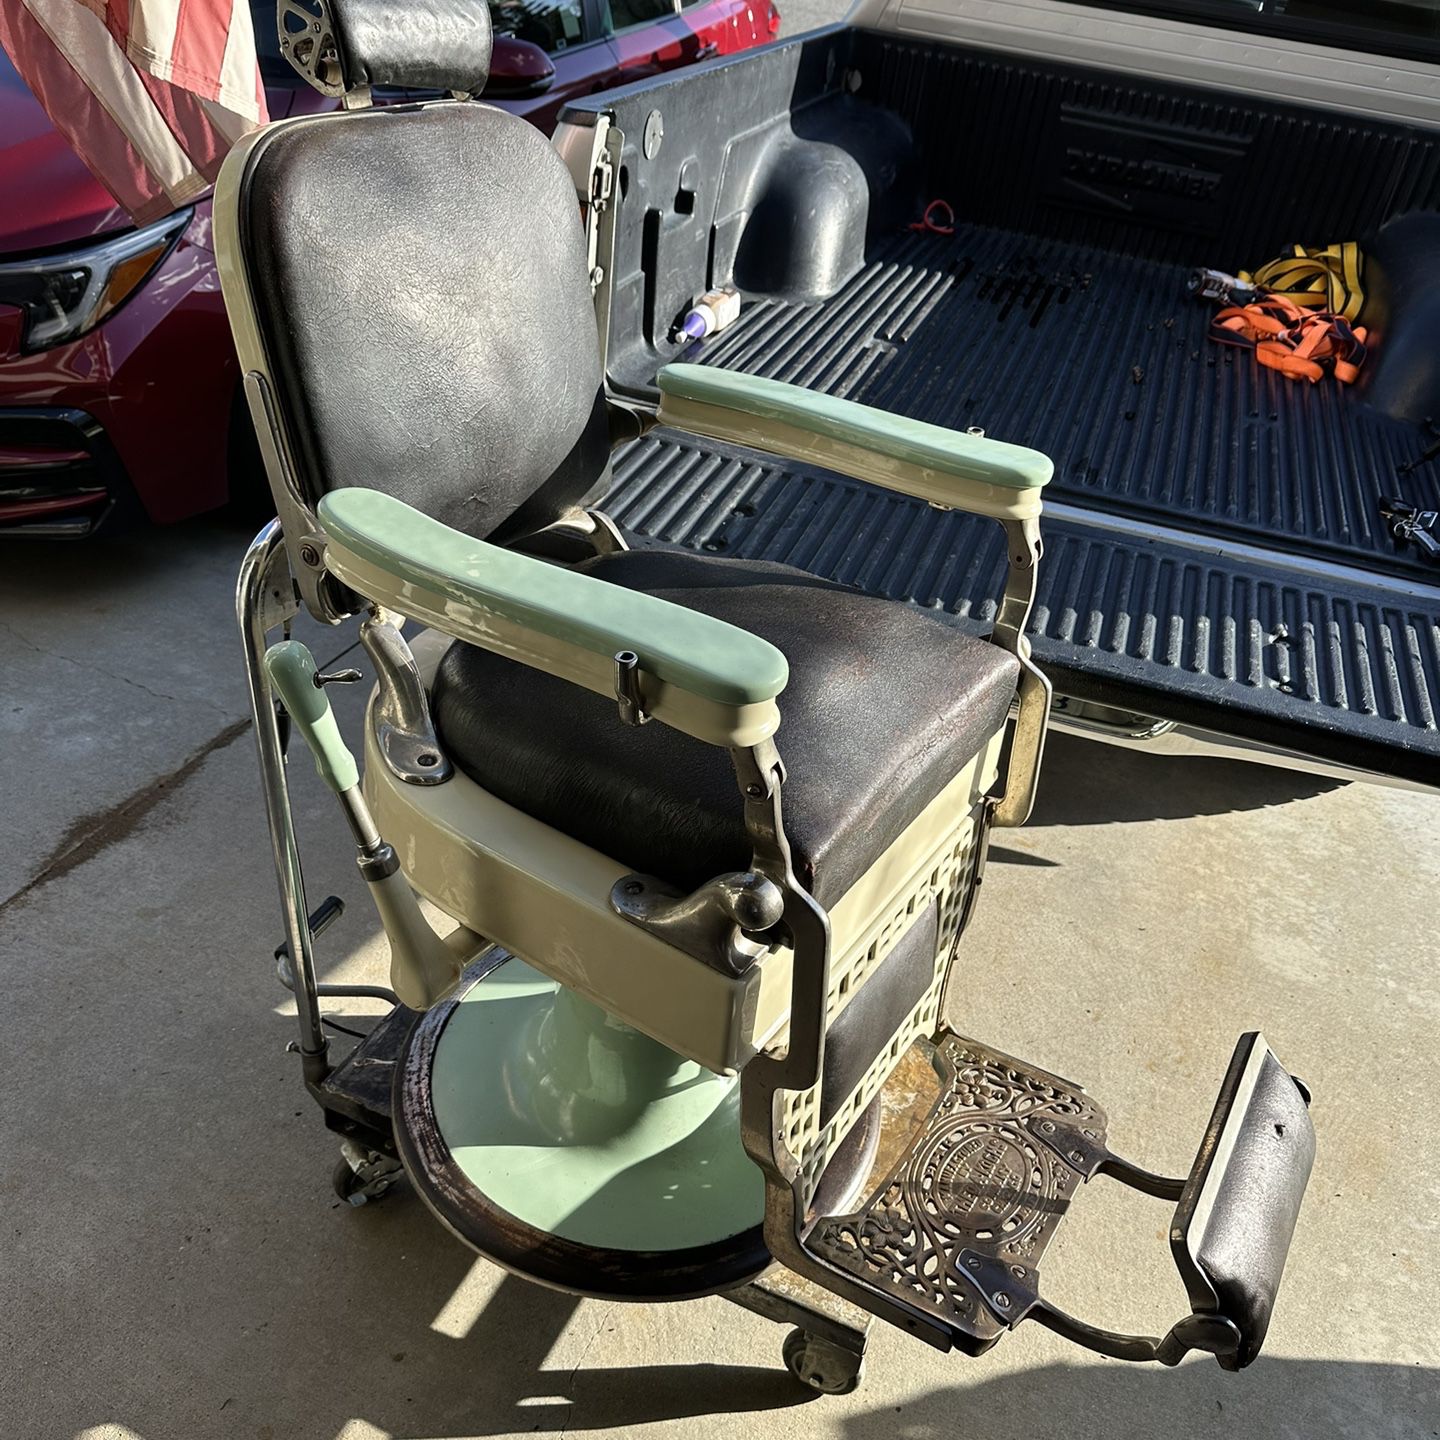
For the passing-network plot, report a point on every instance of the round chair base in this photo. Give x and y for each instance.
(576, 1152)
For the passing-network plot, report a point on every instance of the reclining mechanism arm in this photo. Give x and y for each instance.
(949, 469)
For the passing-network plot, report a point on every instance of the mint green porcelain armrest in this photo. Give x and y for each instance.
(291, 668)
(946, 467)
(698, 674)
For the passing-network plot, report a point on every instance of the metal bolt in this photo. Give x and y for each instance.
(427, 758)
(754, 791)
(1047, 1127)
(309, 555)
(633, 887)
(1002, 1300)
(1018, 1271)
(1077, 1157)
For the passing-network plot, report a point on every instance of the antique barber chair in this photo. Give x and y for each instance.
(707, 832)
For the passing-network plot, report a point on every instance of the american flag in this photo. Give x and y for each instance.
(150, 93)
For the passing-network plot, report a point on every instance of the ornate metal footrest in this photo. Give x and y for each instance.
(949, 1245)
(959, 1225)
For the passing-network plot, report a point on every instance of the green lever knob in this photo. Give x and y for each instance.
(292, 672)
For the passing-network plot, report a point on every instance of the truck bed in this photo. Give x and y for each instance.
(1103, 363)
(1214, 551)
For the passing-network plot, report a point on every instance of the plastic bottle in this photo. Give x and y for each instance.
(711, 312)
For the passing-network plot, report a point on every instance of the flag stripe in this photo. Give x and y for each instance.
(201, 29)
(149, 39)
(186, 118)
(227, 123)
(86, 44)
(239, 69)
(63, 94)
(151, 94)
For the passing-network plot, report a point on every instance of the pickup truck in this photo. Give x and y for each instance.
(1218, 576)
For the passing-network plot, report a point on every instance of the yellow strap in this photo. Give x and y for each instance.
(1318, 279)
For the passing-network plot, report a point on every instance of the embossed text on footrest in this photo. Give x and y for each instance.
(958, 1226)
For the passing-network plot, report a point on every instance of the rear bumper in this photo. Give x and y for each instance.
(60, 475)
(1130, 731)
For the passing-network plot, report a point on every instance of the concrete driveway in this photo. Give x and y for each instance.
(174, 1266)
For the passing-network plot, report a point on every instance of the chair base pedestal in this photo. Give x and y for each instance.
(577, 1152)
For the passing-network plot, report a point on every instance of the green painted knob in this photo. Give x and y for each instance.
(292, 672)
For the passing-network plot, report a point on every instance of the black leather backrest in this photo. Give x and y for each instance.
(414, 44)
(419, 281)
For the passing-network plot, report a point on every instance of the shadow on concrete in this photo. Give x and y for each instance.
(608, 1399)
(409, 1380)
(1003, 855)
(453, 1388)
(1087, 782)
(1279, 1399)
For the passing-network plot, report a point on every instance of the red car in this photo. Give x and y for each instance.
(119, 389)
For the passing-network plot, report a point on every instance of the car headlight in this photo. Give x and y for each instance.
(67, 294)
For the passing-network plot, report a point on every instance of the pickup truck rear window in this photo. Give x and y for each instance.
(1409, 28)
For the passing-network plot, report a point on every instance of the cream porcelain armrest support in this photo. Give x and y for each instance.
(695, 673)
(948, 468)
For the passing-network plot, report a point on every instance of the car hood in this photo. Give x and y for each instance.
(47, 196)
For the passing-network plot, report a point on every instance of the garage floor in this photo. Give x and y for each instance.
(174, 1266)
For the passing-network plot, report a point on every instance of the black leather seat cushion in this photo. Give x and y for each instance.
(885, 705)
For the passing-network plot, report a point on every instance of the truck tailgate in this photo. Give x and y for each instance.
(1346, 672)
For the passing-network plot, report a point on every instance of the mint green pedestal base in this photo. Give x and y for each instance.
(571, 1147)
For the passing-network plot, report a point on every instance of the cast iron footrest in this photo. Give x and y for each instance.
(960, 1224)
(949, 1245)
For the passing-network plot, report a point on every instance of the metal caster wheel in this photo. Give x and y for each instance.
(821, 1365)
(362, 1176)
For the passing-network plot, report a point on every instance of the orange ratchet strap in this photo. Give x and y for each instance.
(1298, 342)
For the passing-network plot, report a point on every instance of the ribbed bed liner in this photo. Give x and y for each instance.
(1103, 362)
(1343, 671)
